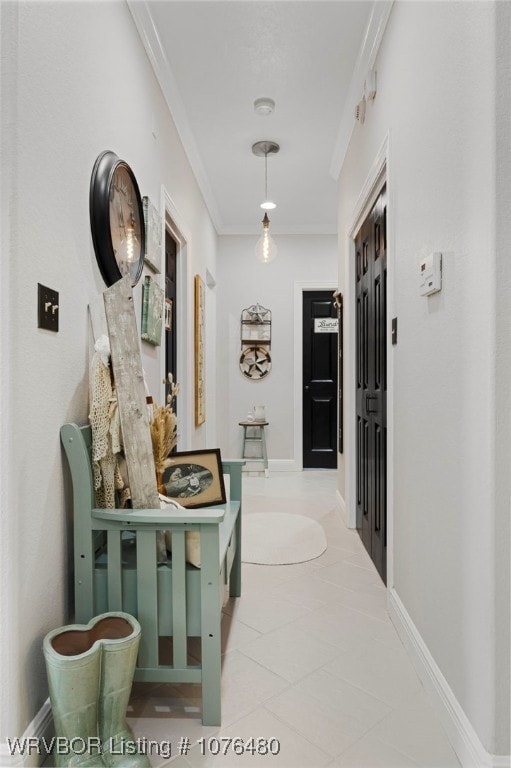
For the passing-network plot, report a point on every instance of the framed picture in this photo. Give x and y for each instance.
(153, 235)
(195, 478)
(152, 311)
(168, 314)
(200, 352)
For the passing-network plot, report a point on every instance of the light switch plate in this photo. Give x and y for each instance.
(430, 274)
(47, 308)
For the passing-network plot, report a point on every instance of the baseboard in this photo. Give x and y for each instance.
(342, 505)
(256, 466)
(31, 751)
(459, 729)
(282, 465)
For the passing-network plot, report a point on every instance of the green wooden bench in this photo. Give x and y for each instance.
(115, 569)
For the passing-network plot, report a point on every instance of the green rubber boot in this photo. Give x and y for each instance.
(73, 669)
(118, 661)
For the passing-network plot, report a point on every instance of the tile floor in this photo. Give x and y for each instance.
(310, 658)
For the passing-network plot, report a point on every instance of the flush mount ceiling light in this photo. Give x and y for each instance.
(263, 149)
(264, 106)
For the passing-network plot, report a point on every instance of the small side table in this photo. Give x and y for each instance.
(256, 436)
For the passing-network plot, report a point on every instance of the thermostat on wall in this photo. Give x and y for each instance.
(430, 271)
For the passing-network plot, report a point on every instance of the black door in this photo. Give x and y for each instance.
(371, 401)
(319, 381)
(170, 306)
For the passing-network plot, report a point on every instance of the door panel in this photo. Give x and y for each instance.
(319, 383)
(371, 370)
(171, 296)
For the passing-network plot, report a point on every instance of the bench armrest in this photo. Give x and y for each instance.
(162, 517)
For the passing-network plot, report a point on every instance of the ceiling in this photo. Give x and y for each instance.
(213, 59)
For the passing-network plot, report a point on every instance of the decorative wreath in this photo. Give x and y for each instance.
(255, 362)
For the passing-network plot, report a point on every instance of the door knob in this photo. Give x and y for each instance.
(306, 388)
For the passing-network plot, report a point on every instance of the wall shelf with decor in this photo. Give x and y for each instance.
(255, 360)
(256, 325)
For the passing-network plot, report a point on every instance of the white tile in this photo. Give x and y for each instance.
(338, 534)
(371, 753)
(350, 576)
(341, 626)
(384, 672)
(296, 570)
(309, 591)
(361, 559)
(246, 685)
(295, 750)
(372, 602)
(332, 555)
(318, 724)
(387, 634)
(255, 581)
(357, 711)
(264, 613)
(415, 730)
(175, 762)
(235, 634)
(290, 653)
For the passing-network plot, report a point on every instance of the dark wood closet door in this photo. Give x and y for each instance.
(371, 399)
(170, 308)
(319, 381)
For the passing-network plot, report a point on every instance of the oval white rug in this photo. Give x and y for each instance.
(279, 538)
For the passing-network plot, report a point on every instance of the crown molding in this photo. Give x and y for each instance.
(146, 28)
(365, 61)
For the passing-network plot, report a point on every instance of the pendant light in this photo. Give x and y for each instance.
(265, 249)
(263, 149)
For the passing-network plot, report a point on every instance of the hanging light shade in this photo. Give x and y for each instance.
(263, 149)
(265, 249)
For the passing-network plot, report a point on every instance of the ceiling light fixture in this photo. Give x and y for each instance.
(264, 106)
(263, 149)
(265, 249)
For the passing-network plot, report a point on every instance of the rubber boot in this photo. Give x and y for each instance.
(73, 668)
(118, 662)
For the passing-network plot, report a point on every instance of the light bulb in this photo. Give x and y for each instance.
(268, 205)
(127, 257)
(128, 247)
(265, 249)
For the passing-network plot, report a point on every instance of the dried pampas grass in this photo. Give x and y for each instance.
(164, 432)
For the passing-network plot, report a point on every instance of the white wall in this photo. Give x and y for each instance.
(451, 366)
(75, 81)
(243, 281)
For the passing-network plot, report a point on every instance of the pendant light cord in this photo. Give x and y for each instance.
(265, 177)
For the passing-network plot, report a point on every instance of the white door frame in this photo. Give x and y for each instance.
(173, 222)
(376, 178)
(299, 288)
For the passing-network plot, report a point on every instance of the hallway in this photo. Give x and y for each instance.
(310, 658)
